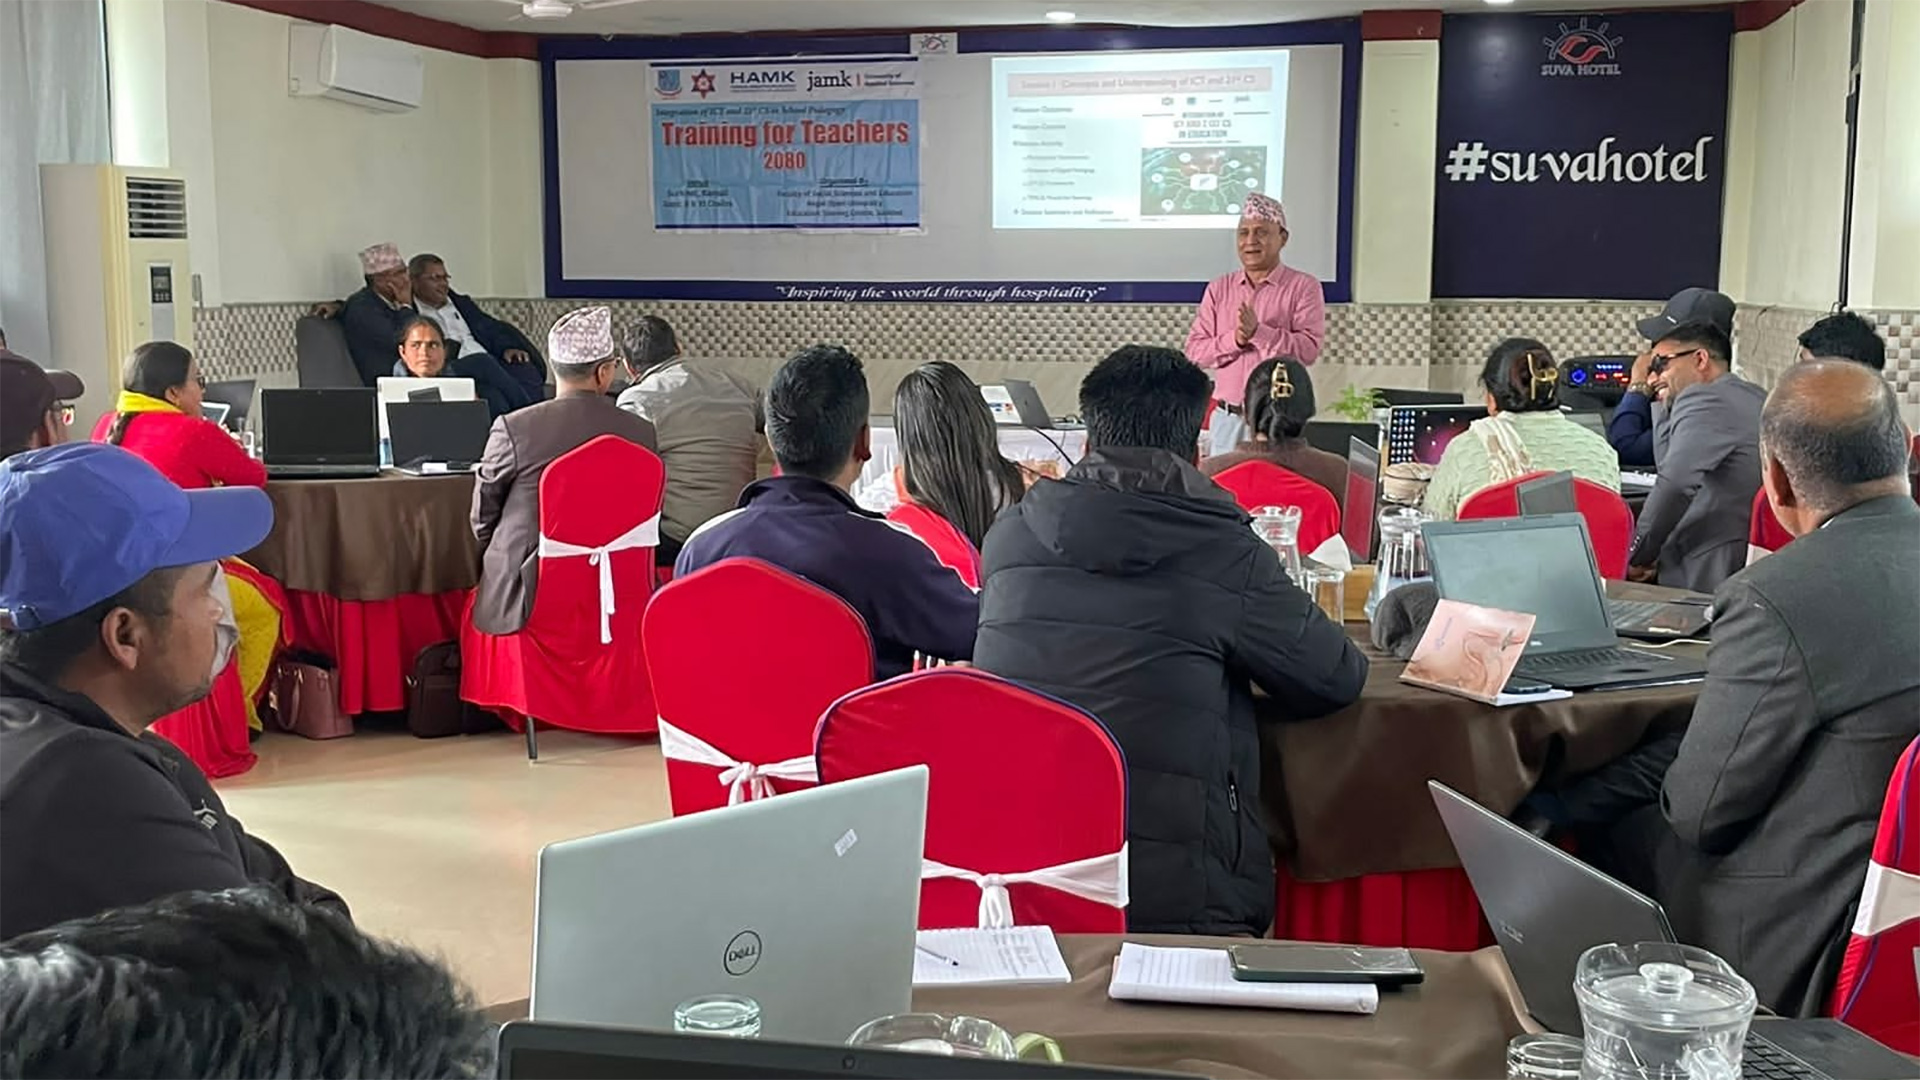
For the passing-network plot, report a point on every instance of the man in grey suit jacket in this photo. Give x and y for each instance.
(1755, 827)
(1692, 533)
(506, 490)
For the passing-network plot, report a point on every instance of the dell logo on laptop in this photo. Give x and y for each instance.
(743, 952)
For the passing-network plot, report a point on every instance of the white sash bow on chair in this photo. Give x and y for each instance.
(1889, 898)
(1101, 879)
(745, 780)
(646, 534)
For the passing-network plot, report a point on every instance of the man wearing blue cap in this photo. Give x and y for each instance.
(110, 620)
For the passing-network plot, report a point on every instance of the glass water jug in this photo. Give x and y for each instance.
(1402, 554)
(1279, 526)
(1657, 1011)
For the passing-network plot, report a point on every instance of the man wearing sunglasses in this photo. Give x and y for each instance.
(1692, 534)
(34, 404)
(1642, 409)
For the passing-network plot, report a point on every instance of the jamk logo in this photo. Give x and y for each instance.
(743, 953)
(1581, 51)
(1605, 164)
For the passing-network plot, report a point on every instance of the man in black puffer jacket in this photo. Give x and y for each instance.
(1135, 589)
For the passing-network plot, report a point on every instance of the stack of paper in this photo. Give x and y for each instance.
(1205, 977)
(1012, 956)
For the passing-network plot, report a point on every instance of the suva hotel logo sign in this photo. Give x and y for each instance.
(1581, 51)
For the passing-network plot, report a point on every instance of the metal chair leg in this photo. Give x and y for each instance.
(533, 747)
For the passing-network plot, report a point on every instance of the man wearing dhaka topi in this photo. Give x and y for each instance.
(1258, 312)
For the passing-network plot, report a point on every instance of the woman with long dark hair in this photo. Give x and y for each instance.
(424, 354)
(1279, 402)
(158, 418)
(956, 479)
(1524, 432)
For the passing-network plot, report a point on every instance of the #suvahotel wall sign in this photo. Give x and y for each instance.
(1580, 156)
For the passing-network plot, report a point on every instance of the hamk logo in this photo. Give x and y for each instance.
(1581, 51)
(743, 953)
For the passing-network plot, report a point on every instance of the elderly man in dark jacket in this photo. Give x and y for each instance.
(475, 331)
(1135, 589)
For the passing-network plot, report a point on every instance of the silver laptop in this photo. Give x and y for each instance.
(806, 902)
(1544, 566)
(1547, 908)
(1017, 403)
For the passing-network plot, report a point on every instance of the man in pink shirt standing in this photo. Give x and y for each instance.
(1258, 312)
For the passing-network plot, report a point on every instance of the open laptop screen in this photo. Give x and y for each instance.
(319, 427)
(1361, 499)
(1422, 432)
(1542, 566)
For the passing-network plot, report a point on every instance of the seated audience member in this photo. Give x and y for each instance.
(34, 409)
(506, 490)
(423, 355)
(1643, 408)
(955, 478)
(1754, 826)
(1134, 589)
(1524, 431)
(158, 417)
(375, 316)
(709, 423)
(235, 983)
(1279, 404)
(477, 333)
(804, 520)
(1692, 532)
(108, 621)
(1844, 336)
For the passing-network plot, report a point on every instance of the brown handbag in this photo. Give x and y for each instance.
(306, 700)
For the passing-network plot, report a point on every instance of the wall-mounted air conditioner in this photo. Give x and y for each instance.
(360, 69)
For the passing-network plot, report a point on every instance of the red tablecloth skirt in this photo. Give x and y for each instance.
(373, 642)
(1419, 909)
(213, 731)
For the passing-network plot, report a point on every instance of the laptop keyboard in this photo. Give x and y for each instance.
(1761, 1060)
(1589, 658)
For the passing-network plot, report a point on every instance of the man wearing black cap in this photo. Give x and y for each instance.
(33, 403)
(1639, 415)
(109, 620)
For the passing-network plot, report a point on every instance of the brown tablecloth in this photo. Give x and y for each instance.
(1456, 1024)
(371, 539)
(1346, 794)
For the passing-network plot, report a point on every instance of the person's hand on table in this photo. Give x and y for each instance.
(516, 356)
(1642, 575)
(1249, 322)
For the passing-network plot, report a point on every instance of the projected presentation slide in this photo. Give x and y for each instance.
(1160, 140)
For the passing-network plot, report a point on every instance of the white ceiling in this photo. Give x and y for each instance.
(711, 16)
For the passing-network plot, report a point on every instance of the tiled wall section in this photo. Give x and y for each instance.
(1439, 345)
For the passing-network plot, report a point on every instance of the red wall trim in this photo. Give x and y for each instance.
(1399, 25)
(1760, 14)
(404, 26)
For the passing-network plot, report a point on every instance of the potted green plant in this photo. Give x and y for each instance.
(1357, 404)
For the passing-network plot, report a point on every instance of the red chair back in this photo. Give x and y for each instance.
(949, 544)
(1609, 519)
(1764, 531)
(755, 697)
(1877, 993)
(1019, 782)
(1262, 483)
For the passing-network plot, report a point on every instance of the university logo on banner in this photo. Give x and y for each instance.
(666, 82)
(1580, 156)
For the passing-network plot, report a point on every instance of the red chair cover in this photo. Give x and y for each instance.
(1019, 781)
(949, 544)
(1765, 531)
(1876, 993)
(559, 668)
(745, 657)
(213, 731)
(1609, 518)
(1419, 909)
(373, 642)
(1262, 483)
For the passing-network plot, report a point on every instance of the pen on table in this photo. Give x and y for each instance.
(947, 960)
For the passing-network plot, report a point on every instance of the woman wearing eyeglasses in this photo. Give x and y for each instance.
(158, 417)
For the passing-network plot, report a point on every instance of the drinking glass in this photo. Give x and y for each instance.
(730, 1016)
(1544, 1057)
(1328, 587)
(932, 1033)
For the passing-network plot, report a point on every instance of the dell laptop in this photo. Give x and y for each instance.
(313, 434)
(806, 902)
(1547, 908)
(438, 436)
(1544, 567)
(1650, 620)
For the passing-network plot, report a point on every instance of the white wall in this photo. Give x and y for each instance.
(1885, 270)
(1393, 188)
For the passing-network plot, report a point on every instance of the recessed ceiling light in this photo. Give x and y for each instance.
(1060, 16)
(1499, 3)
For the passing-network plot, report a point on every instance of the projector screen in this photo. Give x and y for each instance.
(1100, 175)
(1173, 140)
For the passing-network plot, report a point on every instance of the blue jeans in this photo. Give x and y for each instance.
(492, 383)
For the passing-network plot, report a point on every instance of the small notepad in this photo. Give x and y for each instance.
(1205, 977)
(1011, 956)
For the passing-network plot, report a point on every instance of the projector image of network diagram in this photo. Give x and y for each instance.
(1197, 180)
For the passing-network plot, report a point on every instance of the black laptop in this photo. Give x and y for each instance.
(1544, 566)
(534, 1050)
(237, 396)
(1332, 435)
(437, 436)
(320, 434)
(1547, 908)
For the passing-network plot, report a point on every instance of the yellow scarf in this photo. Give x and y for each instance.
(131, 402)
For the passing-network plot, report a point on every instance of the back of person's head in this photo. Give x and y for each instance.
(1699, 335)
(1845, 336)
(1520, 376)
(817, 406)
(1147, 397)
(1279, 398)
(154, 369)
(1834, 427)
(950, 449)
(240, 983)
(650, 342)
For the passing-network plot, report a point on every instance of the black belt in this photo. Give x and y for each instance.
(1231, 410)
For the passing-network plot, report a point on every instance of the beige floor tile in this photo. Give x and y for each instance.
(432, 841)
